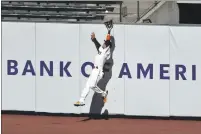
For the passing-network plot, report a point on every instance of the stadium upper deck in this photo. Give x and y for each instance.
(126, 11)
(119, 11)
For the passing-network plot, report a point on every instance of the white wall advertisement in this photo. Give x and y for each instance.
(153, 71)
(185, 81)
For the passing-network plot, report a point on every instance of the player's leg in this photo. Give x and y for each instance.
(103, 93)
(85, 91)
(96, 79)
(84, 95)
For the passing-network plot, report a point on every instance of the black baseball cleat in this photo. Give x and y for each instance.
(78, 103)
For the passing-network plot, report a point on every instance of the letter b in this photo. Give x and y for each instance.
(12, 67)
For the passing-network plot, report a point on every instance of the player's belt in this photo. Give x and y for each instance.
(96, 67)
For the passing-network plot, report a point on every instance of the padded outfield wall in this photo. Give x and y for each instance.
(156, 69)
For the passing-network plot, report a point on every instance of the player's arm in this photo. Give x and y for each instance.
(93, 38)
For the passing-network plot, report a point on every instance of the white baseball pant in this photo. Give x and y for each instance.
(92, 82)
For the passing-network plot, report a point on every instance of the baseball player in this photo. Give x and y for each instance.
(97, 73)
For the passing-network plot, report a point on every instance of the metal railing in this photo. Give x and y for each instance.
(139, 16)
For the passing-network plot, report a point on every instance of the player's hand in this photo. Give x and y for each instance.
(93, 35)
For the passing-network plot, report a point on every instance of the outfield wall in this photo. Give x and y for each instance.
(156, 69)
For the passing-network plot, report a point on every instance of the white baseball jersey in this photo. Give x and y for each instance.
(102, 56)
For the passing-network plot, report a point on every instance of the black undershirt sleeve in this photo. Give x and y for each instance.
(97, 44)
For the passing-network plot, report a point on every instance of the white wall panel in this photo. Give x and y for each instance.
(146, 45)
(185, 50)
(57, 42)
(18, 43)
(134, 45)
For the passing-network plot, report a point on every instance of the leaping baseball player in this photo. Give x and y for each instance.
(97, 73)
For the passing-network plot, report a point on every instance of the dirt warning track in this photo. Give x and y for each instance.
(26, 124)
